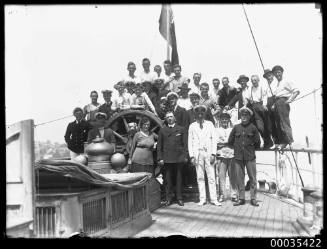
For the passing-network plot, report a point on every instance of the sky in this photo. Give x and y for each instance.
(55, 55)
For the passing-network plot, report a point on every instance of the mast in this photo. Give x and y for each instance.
(168, 31)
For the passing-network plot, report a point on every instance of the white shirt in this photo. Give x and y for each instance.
(246, 94)
(185, 103)
(194, 88)
(150, 76)
(128, 78)
(222, 136)
(283, 88)
(101, 131)
(201, 139)
(122, 101)
(258, 94)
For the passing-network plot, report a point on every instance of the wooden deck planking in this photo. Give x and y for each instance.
(250, 224)
(223, 217)
(242, 218)
(218, 221)
(258, 221)
(231, 219)
(272, 218)
(263, 218)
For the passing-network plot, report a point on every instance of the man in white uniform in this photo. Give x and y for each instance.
(202, 150)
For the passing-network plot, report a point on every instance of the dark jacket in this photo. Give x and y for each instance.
(207, 116)
(108, 136)
(172, 144)
(182, 117)
(76, 135)
(245, 139)
(224, 98)
(106, 108)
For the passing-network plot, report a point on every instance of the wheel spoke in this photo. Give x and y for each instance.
(126, 124)
(124, 139)
(154, 128)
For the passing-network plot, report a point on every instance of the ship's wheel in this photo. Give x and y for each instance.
(119, 124)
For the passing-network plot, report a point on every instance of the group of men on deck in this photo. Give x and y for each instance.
(215, 130)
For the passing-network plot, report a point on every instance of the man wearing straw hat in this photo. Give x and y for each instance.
(244, 138)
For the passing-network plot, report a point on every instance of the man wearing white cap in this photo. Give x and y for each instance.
(202, 151)
(244, 138)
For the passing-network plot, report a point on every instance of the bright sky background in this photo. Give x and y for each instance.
(56, 55)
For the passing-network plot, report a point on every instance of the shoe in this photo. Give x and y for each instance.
(234, 199)
(201, 203)
(254, 203)
(180, 202)
(168, 203)
(216, 203)
(221, 198)
(274, 147)
(282, 146)
(240, 202)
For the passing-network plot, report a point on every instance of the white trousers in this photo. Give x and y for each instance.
(203, 165)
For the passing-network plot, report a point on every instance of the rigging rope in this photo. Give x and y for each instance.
(255, 43)
(53, 120)
(271, 91)
(307, 94)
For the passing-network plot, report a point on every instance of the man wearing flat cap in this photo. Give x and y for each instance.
(100, 131)
(106, 107)
(202, 151)
(284, 93)
(244, 138)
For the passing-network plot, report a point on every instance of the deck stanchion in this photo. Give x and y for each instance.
(317, 210)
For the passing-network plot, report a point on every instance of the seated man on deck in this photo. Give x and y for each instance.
(123, 100)
(140, 100)
(100, 131)
(91, 109)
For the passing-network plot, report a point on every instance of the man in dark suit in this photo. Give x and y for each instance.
(100, 131)
(180, 113)
(76, 133)
(226, 93)
(172, 153)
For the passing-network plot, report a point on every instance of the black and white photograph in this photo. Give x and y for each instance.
(164, 120)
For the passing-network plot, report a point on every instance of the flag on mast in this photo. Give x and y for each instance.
(167, 30)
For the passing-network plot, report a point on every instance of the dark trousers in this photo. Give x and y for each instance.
(280, 121)
(240, 175)
(189, 175)
(173, 169)
(262, 122)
